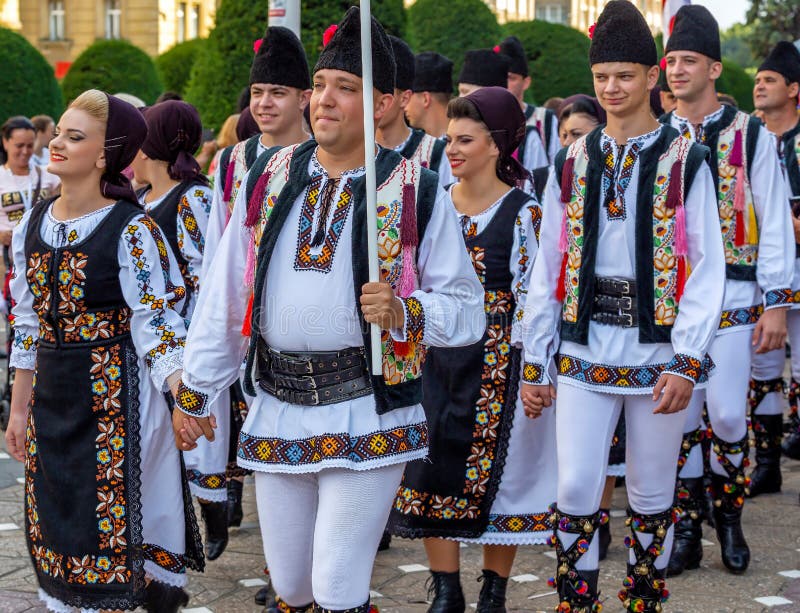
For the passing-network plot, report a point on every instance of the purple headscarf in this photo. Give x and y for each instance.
(246, 126)
(599, 111)
(174, 132)
(500, 111)
(126, 130)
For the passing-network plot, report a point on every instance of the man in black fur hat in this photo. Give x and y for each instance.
(538, 118)
(431, 92)
(775, 94)
(328, 441)
(393, 131)
(619, 324)
(759, 253)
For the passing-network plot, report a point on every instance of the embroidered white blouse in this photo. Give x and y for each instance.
(312, 308)
(614, 346)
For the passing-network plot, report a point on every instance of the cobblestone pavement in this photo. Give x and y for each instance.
(772, 524)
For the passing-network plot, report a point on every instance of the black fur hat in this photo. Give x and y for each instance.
(695, 30)
(785, 60)
(404, 59)
(622, 35)
(280, 60)
(512, 47)
(485, 67)
(343, 51)
(433, 72)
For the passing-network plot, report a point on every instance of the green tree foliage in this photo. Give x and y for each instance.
(772, 20)
(175, 65)
(27, 83)
(558, 59)
(113, 66)
(736, 46)
(452, 28)
(735, 82)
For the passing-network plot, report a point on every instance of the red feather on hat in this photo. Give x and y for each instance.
(328, 34)
(257, 45)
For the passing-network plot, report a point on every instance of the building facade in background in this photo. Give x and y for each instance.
(62, 29)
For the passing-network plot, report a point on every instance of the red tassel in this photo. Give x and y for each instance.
(566, 179)
(674, 190)
(226, 193)
(735, 158)
(561, 286)
(247, 323)
(256, 200)
(681, 279)
(402, 349)
(408, 218)
(738, 238)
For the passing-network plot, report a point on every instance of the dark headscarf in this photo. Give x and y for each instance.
(174, 134)
(599, 112)
(126, 130)
(500, 111)
(246, 126)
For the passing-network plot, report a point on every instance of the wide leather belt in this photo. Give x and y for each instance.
(615, 302)
(313, 378)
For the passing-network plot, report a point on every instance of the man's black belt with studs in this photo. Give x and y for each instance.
(313, 378)
(615, 302)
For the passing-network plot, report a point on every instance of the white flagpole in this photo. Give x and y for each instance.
(369, 161)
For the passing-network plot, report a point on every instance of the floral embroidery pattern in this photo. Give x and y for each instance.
(37, 275)
(322, 261)
(88, 326)
(575, 235)
(476, 255)
(71, 278)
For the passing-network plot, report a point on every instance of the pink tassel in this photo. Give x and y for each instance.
(408, 276)
(563, 243)
(256, 200)
(735, 158)
(738, 191)
(228, 187)
(566, 179)
(680, 231)
(250, 264)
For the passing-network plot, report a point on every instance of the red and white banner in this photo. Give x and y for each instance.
(669, 8)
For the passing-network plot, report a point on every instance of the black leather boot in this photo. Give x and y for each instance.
(445, 593)
(163, 598)
(265, 596)
(766, 476)
(604, 537)
(235, 513)
(278, 606)
(386, 541)
(792, 420)
(644, 589)
(364, 608)
(493, 593)
(577, 589)
(215, 517)
(728, 503)
(687, 547)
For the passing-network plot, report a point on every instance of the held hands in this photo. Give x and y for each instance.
(536, 397)
(675, 392)
(380, 306)
(770, 332)
(188, 429)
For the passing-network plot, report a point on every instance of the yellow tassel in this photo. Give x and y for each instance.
(752, 225)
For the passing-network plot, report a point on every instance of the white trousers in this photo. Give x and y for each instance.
(321, 532)
(770, 365)
(585, 423)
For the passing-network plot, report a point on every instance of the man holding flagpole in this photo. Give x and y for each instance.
(292, 273)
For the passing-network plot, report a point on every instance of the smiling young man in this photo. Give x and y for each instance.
(756, 230)
(775, 95)
(289, 289)
(618, 323)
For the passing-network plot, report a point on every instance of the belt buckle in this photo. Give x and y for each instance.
(315, 396)
(625, 303)
(622, 287)
(629, 320)
(312, 382)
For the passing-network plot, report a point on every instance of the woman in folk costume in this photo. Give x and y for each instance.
(627, 287)
(178, 199)
(325, 437)
(109, 523)
(492, 472)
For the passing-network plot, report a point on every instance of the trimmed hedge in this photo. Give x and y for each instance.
(27, 83)
(452, 28)
(558, 59)
(113, 66)
(175, 65)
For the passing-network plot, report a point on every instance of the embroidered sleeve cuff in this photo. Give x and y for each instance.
(691, 368)
(24, 360)
(775, 298)
(533, 373)
(162, 366)
(193, 402)
(413, 330)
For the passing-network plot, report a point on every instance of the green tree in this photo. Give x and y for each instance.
(736, 46)
(772, 21)
(175, 65)
(451, 28)
(27, 83)
(735, 82)
(113, 66)
(558, 59)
